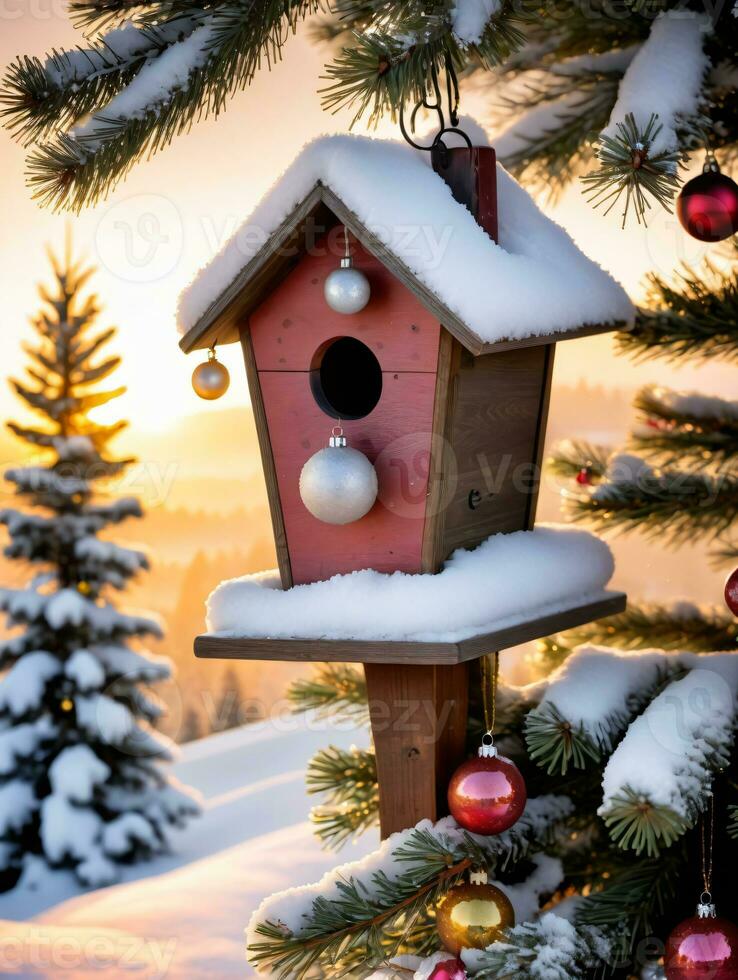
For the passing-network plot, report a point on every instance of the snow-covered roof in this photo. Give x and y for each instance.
(534, 283)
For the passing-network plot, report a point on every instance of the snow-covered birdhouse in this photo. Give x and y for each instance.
(442, 379)
(411, 312)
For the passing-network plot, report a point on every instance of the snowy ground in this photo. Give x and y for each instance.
(183, 916)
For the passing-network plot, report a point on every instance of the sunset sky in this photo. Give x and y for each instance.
(174, 212)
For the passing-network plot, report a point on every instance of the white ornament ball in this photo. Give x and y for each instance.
(346, 289)
(338, 485)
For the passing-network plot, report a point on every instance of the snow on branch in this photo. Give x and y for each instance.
(86, 670)
(589, 702)
(121, 661)
(664, 79)
(658, 779)
(17, 804)
(470, 18)
(659, 98)
(19, 743)
(675, 425)
(351, 911)
(550, 949)
(23, 686)
(672, 504)
(105, 719)
(68, 607)
(75, 773)
(155, 85)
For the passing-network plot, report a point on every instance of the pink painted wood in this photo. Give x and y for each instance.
(396, 436)
(295, 319)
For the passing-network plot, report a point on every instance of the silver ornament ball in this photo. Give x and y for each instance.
(347, 289)
(211, 379)
(338, 485)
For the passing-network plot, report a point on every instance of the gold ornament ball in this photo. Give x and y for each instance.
(211, 379)
(473, 917)
(66, 704)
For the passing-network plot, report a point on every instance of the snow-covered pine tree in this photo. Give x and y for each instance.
(654, 81)
(677, 478)
(80, 782)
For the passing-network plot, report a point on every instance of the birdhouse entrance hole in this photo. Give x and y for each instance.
(346, 378)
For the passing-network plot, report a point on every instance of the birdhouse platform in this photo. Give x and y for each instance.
(442, 380)
(436, 653)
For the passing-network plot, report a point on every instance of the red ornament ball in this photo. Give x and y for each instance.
(487, 795)
(731, 592)
(449, 970)
(584, 477)
(707, 206)
(702, 949)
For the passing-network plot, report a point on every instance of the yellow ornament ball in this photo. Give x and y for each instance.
(472, 916)
(66, 704)
(211, 379)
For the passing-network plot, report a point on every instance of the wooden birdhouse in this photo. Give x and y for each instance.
(430, 354)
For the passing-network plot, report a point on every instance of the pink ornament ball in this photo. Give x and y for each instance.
(449, 970)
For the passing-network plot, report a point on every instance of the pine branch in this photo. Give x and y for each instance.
(672, 505)
(684, 428)
(39, 98)
(572, 457)
(637, 824)
(696, 316)
(349, 781)
(648, 809)
(333, 690)
(102, 15)
(724, 555)
(390, 64)
(636, 895)
(580, 102)
(733, 821)
(627, 167)
(555, 744)
(562, 732)
(587, 30)
(353, 929)
(365, 920)
(218, 58)
(679, 625)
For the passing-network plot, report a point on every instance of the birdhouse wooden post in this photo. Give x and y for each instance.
(453, 422)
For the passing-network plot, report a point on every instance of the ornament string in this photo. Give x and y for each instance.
(490, 681)
(708, 846)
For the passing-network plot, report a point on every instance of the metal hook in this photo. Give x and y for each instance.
(437, 148)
